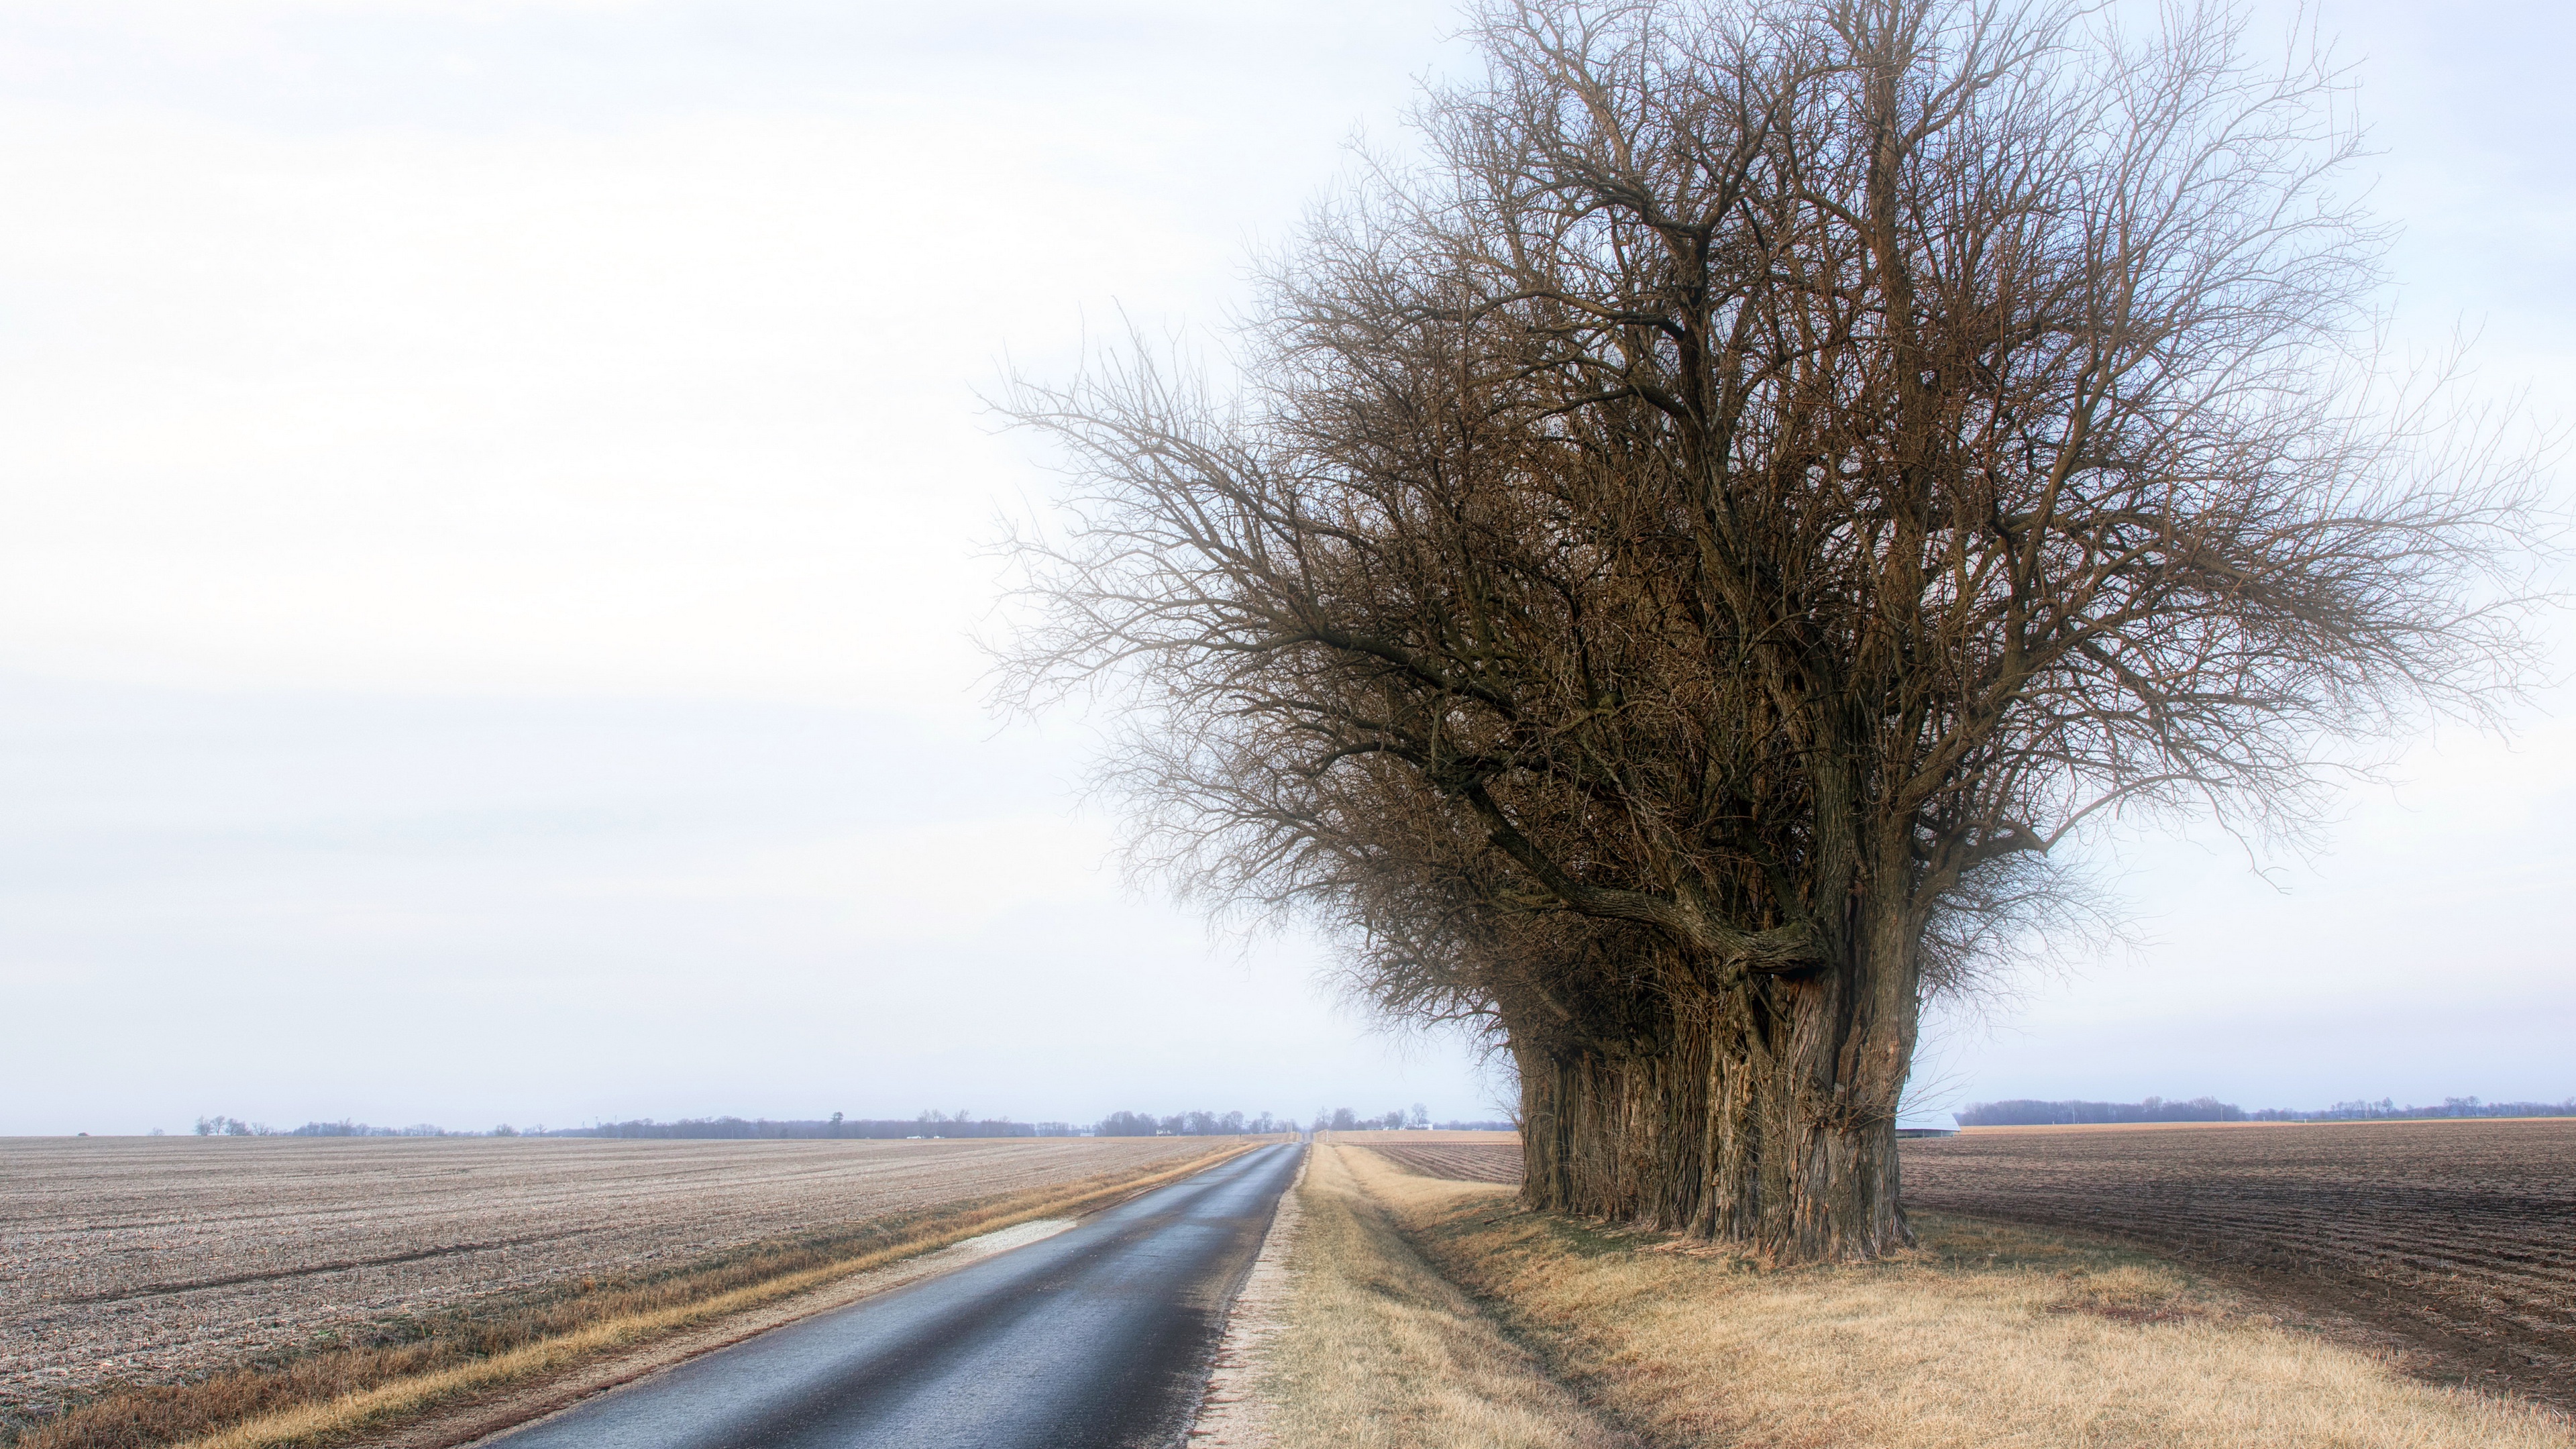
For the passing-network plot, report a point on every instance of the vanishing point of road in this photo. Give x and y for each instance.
(1096, 1338)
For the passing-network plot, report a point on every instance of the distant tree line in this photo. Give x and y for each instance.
(928, 1124)
(224, 1126)
(2023, 1113)
(1189, 1124)
(1343, 1119)
(2385, 1109)
(2026, 1113)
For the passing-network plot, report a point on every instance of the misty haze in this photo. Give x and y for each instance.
(1061, 723)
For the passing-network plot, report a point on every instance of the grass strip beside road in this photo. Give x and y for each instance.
(1373, 1349)
(1988, 1335)
(335, 1391)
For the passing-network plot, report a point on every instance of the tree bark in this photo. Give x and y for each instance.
(1761, 1116)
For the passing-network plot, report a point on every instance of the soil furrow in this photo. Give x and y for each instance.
(2453, 1243)
(153, 1260)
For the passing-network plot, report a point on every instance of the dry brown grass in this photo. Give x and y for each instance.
(331, 1392)
(1375, 1350)
(1991, 1336)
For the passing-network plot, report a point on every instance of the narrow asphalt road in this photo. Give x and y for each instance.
(1097, 1337)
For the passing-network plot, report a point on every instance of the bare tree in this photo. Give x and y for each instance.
(1682, 556)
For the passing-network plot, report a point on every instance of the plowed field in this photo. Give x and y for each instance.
(148, 1259)
(1413, 1138)
(2453, 1243)
(1465, 1162)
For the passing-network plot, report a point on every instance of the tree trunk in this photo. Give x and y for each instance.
(1763, 1116)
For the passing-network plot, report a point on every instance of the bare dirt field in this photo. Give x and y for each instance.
(1384, 1138)
(1461, 1162)
(151, 1259)
(2451, 1244)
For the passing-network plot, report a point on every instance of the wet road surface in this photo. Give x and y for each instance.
(1096, 1338)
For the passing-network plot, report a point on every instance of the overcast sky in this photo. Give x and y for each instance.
(492, 495)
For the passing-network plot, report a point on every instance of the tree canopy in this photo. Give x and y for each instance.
(1682, 553)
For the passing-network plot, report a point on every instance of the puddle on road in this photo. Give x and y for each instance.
(1002, 1240)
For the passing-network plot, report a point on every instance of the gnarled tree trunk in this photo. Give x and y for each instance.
(1762, 1114)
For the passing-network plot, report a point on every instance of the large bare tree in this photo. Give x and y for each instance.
(1679, 557)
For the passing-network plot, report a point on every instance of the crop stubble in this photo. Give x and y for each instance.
(149, 1260)
(2452, 1243)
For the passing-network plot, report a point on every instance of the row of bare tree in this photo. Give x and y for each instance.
(1189, 1124)
(1674, 558)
